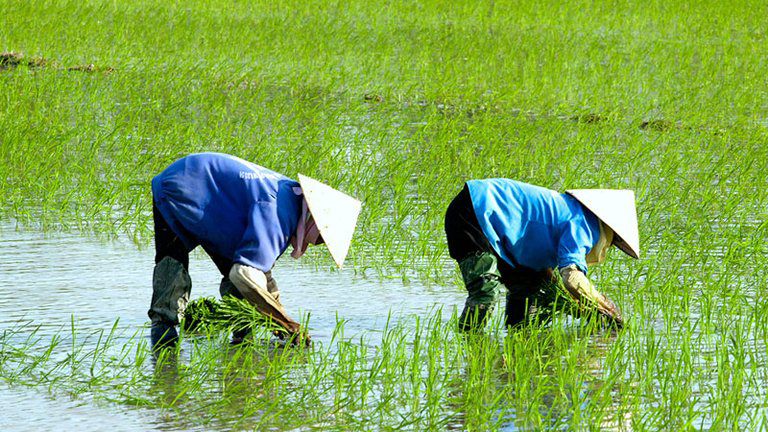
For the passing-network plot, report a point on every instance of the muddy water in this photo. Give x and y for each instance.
(52, 279)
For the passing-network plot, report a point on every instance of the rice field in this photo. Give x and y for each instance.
(398, 103)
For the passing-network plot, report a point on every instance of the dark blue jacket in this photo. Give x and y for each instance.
(230, 206)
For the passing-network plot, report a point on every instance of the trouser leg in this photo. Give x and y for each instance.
(170, 294)
(516, 309)
(522, 284)
(482, 279)
(170, 279)
(478, 262)
(167, 243)
(171, 284)
(226, 288)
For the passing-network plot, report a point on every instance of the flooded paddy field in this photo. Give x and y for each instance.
(382, 355)
(397, 105)
(89, 285)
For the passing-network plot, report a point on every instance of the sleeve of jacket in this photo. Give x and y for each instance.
(263, 242)
(574, 245)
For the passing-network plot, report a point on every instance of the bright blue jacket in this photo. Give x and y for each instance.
(532, 226)
(233, 208)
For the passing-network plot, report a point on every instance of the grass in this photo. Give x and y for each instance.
(398, 104)
(421, 374)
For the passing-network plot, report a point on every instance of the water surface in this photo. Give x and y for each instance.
(51, 280)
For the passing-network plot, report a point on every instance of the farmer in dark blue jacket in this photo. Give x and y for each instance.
(505, 233)
(244, 216)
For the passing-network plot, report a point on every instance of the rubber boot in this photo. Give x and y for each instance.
(170, 294)
(482, 279)
(163, 335)
(473, 316)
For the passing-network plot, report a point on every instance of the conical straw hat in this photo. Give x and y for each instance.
(335, 214)
(616, 208)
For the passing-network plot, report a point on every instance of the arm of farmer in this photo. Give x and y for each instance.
(262, 243)
(581, 289)
(252, 284)
(572, 251)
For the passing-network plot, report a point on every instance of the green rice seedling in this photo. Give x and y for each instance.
(533, 376)
(199, 313)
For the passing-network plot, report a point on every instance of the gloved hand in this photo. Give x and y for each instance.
(253, 284)
(610, 310)
(582, 290)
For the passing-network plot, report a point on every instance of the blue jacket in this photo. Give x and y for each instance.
(533, 226)
(231, 207)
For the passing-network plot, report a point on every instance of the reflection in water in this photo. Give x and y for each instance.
(32, 410)
(63, 278)
(672, 367)
(533, 382)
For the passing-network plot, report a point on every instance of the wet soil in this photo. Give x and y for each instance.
(660, 125)
(12, 60)
(589, 118)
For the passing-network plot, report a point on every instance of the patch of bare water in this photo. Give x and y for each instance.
(31, 410)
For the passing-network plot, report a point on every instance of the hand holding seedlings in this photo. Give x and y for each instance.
(244, 216)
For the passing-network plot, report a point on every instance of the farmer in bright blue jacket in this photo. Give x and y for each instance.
(506, 233)
(244, 216)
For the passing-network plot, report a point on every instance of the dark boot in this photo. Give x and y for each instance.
(238, 336)
(163, 335)
(482, 279)
(473, 317)
(170, 293)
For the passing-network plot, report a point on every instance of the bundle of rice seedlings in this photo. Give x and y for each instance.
(200, 314)
(553, 298)
(229, 313)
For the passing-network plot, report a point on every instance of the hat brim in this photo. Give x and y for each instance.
(616, 209)
(335, 215)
